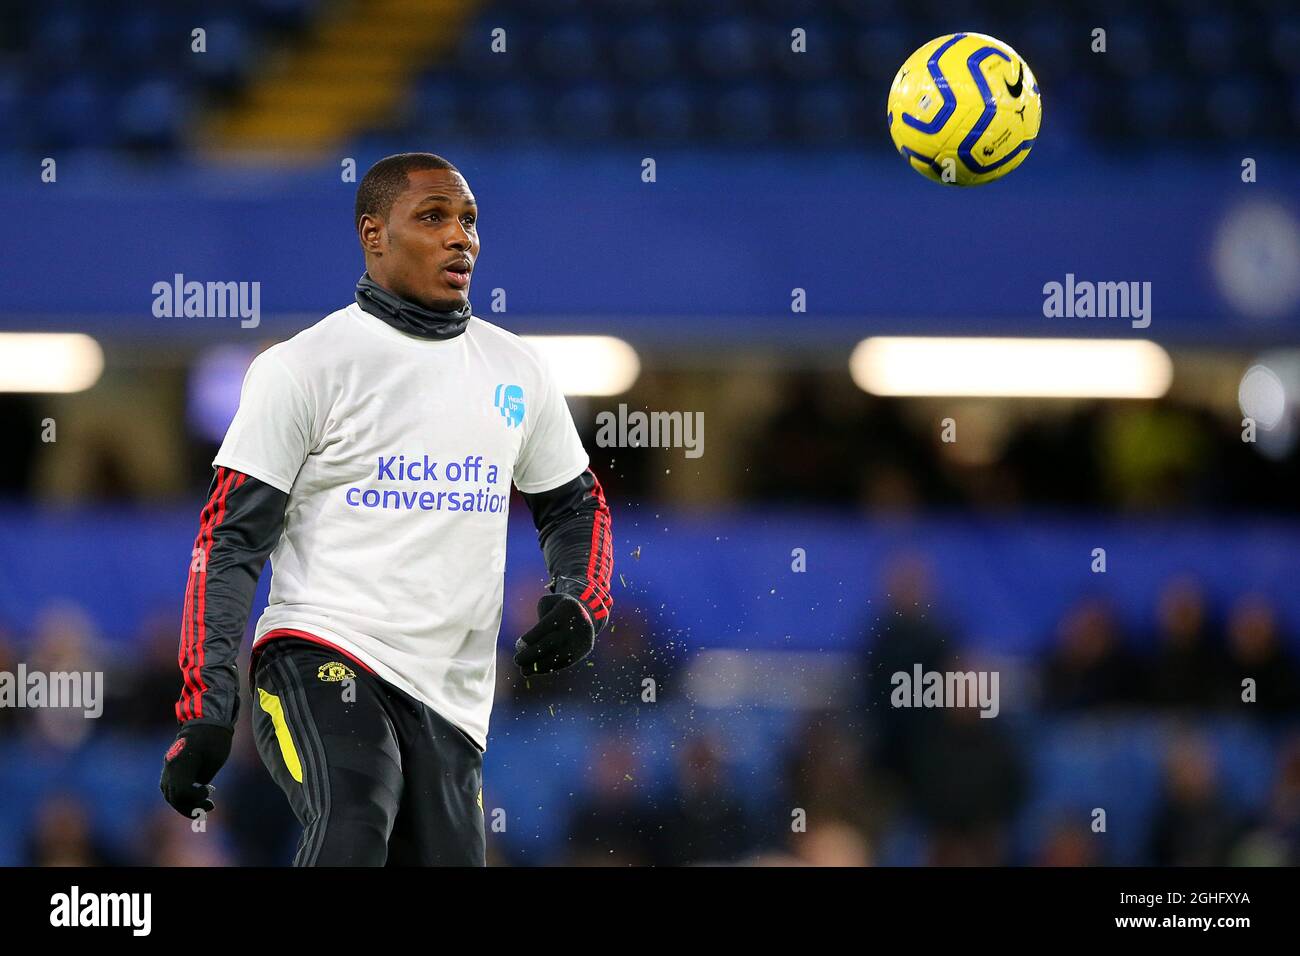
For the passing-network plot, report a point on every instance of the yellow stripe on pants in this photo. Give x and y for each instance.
(271, 704)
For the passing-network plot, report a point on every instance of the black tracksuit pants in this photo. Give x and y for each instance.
(374, 776)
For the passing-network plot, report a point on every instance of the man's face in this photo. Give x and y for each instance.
(427, 249)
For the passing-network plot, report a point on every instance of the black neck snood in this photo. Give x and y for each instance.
(405, 316)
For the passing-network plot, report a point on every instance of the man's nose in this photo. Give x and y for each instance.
(459, 238)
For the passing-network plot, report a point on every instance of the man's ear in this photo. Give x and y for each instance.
(370, 231)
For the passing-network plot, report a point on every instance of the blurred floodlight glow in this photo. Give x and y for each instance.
(1256, 259)
(1009, 367)
(215, 382)
(589, 364)
(49, 362)
(1262, 396)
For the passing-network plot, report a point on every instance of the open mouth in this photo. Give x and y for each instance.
(457, 275)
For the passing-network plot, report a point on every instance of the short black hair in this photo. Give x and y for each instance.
(385, 181)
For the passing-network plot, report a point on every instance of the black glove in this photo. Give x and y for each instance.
(564, 634)
(198, 752)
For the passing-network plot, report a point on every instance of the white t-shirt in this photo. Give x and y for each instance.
(397, 454)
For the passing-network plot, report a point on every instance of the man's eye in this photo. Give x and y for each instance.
(430, 216)
(469, 220)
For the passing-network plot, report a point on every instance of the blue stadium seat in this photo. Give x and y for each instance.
(572, 49)
(76, 112)
(511, 111)
(728, 48)
(61, 37)
(665, 113)
(743, 114)
(584, 112)
(1210, 43)
(877, 51)
(1155, 109)
(647, 50)
(663, 68)
(1284, 44)
(826, 115)
(13, 123)
(229, 52)
(1234, 108)
(150, 114)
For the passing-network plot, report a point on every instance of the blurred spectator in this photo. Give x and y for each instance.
(827, 776)
(1155, 456)
(613, 825)
(1090, 667)
(1070, 842)
(263, 830)
(1255, 650)
(905, 634)
(61, 836)
(827, 841)
(801, 451)
(831, 843)
(1187, 668)
(168, 839)
(65, 642)
(9, 716)
(967, 781)
(703, 820)
(20, 432)
(1274, 838)
(146, 680)
(1193, 825)
(1055, 460)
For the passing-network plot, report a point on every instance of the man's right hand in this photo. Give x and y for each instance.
(191, 762)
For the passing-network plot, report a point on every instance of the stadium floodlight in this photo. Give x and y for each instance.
(589, 364)
(49, 362)
(1011, 367)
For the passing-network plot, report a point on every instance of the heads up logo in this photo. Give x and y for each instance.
(509, 401)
